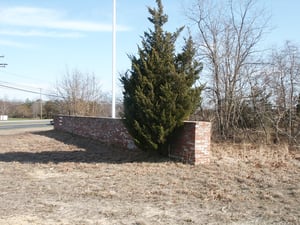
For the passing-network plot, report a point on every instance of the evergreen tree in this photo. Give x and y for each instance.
(159, 90)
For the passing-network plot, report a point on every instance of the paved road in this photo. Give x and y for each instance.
(8, 127)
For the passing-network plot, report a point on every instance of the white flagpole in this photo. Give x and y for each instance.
(113, 111)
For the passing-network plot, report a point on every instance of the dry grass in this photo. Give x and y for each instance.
(54, 178)
(268, 155)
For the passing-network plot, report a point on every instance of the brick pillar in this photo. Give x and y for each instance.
(192, 143)
(202, 142)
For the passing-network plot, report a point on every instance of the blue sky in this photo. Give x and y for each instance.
(41, 39)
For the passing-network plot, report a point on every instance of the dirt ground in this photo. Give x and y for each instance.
(49, 177)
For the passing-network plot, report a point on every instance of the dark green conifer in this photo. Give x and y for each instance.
(160, 90)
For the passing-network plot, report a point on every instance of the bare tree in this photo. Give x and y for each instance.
(228, 36)
(81, 94)
(283, 79)
(4, 106)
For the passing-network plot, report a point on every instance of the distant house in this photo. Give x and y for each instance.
(3, 117)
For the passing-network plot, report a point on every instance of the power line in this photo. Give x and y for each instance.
(2, 64)
(29, 91)
(22, 86)
(18, 85)
(21, 76)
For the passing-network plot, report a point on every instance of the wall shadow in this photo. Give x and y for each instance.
(89, 151)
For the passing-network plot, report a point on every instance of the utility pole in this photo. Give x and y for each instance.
(41, 104)
(113, 105)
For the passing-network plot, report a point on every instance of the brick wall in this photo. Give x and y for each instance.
(191, 144)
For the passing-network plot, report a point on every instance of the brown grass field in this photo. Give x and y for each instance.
(48, 177)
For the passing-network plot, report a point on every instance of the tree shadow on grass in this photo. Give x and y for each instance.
(83, 150)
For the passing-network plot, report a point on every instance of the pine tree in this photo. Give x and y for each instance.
(159, 90)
